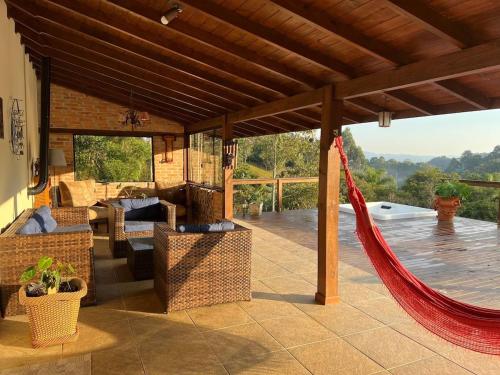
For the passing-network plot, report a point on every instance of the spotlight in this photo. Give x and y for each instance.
(171, 14)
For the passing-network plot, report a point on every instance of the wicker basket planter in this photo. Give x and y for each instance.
(53, 318)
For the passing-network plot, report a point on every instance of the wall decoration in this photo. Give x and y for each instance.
(1, 119)
(169, 148)
(17, 128)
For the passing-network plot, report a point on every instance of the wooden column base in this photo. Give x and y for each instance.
(322, 300)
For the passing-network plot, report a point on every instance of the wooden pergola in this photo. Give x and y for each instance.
(256, 67)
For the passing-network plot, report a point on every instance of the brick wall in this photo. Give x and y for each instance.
(74, 110)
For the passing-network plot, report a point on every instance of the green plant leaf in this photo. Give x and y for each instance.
(28, 274)
(71, 269)
(44, 263)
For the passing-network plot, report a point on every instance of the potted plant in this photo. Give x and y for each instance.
(449, 195)
(255, 203)
(52, 297)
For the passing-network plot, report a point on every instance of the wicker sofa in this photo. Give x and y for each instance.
(119, 233)
(19, 251)
(199, 269)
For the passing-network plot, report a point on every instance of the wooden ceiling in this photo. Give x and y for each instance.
(222, 56)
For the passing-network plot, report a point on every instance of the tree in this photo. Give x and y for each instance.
(354, 153)
(418, 190)
(113, 158)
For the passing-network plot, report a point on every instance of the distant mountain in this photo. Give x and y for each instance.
(441, 162)
(401, 157)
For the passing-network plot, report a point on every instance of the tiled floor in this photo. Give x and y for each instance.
(281, 331)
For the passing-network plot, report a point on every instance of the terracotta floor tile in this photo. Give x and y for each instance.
(99, 336)
(270, 363)
(267, 304)
(388, 347)
(296, 330)
(478, 363)
(241, 342)
(384, 309)
(344, 319)
(430, 366)
(124, 360)
(179, 355)
(219, 316)
(334, 356)
(418, 333)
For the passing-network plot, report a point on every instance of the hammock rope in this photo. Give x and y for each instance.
(472, 327)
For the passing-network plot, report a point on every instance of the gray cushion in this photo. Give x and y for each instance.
(141, 243)
(73, 228)
(40, 222)
(138, 226)
(223, 226)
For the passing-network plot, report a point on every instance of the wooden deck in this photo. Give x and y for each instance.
(461, 259)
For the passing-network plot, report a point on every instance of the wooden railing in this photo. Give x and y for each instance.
(486, 184)
(276, 181)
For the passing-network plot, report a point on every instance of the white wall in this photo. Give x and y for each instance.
(17, 80)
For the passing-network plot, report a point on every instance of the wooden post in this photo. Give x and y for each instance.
(328, 202)
(186, 157)
(280, 195)
(227, 135)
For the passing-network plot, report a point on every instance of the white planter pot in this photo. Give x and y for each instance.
(255, 209)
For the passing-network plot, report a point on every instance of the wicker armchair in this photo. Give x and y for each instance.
(19, 251)
(199, 269)
(117, 235)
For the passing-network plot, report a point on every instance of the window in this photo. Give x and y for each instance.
(205, 158)
(113, 159)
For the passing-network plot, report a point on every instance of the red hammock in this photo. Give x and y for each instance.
(469, 326)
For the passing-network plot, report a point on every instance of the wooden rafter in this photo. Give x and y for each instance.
(208, 39)
(431, 20)
(482, 58)
(62, 47)
(466, 94)
(411, 101)
(270, 36)
(346, 33)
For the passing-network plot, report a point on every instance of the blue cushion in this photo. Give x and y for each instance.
(147, 209)
(135, 203)
(138, 226)
(44, 217)
(40, 222)
(73, 228)
(30, 227)
(223, 226)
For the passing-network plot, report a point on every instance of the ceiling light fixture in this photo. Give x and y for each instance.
(171, 14)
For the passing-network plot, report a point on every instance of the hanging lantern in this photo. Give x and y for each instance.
(384, 119)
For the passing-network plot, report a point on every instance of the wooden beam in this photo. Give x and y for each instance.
(304, 100)
(272, 37)
(381, 51)
(481, 58)
(124, 132)
(411, 101)
(213, 123)
(185, 29)
(228, 137)
(346, 33)
(466, 94)
(434, 22)
(328, 201)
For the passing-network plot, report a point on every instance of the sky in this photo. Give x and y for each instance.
(448, 135)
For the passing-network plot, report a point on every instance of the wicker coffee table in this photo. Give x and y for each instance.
(140, 257)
